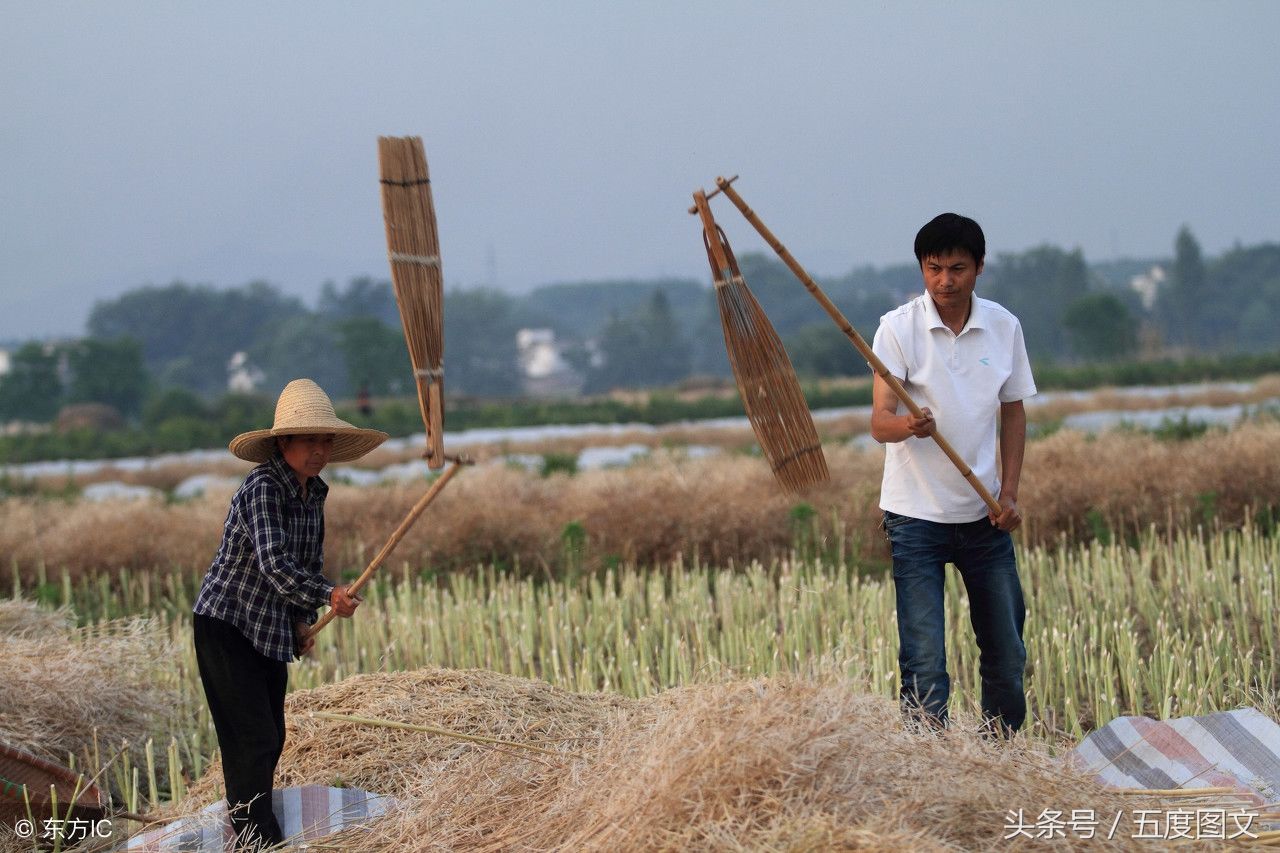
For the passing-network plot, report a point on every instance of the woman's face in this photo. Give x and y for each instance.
(307, 454)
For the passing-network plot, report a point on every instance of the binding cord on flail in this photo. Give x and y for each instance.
(413, 250)
(766, 380)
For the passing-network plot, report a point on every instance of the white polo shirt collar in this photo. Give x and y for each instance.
(977, 315)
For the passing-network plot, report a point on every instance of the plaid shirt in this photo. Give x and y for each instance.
(266, 575)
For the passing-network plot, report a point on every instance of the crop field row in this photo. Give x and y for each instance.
(1170, 626)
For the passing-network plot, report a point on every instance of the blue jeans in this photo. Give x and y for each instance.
(983, 554)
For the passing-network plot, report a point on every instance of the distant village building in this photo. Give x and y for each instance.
(543, 369)
(48, 348)
(1147, 285)
(242, 376)
(98, 417)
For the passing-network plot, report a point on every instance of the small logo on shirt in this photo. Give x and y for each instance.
(985, 361)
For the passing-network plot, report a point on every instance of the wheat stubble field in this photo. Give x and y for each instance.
(714, 661)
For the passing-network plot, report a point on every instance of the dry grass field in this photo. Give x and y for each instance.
(725, 509)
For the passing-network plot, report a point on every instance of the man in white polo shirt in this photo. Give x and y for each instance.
(963, 360)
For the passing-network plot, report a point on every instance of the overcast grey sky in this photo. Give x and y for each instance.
(222, 142)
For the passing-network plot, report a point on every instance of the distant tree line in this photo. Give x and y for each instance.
(155, 342)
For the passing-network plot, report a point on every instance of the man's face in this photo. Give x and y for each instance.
(950, 279)
(307, 454)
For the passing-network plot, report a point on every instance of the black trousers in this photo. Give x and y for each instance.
(245, 690)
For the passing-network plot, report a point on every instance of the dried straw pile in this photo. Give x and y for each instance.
(767, 764)
(389, 760)
(59, 683)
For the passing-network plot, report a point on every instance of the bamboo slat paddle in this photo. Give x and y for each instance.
(413, 250)
(766, 380)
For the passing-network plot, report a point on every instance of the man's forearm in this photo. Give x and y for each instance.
(889, 427)
(1013, 442)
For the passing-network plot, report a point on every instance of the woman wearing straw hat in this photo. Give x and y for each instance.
(262, 591)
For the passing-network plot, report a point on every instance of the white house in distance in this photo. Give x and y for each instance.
(242, 375)
(1147, 285)
(543, 370)
(5, 364)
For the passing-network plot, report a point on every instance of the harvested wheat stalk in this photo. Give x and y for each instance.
(413, 250)
(434, 730)
(766, 380)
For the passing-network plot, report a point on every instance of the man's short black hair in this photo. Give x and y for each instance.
(948, 232)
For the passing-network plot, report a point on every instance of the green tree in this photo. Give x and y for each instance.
(709, 355)
(188, 333)
(669, 355)
(643, 350)
(819, 349)
(1245, 306)
(1184, 296)
(582, 309)
(480, 344)
(237, 413)
(302, 344)
(172, 403)
(376, 356)
(362, 297)
(109, 372)
(1100, 327)
(31, 390)
(1037, 286)
(620, 341)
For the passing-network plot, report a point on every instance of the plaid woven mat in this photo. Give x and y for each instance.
(305, 814)
(1237, 749)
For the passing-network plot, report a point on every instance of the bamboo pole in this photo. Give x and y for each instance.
(724, 185)
(399, 534)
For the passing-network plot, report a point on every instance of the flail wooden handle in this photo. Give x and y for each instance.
(399, 534)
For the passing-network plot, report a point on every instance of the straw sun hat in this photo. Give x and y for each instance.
(304, 408)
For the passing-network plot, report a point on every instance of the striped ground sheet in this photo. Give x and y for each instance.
(1237, 749)
(305, 814)
(1235, 755)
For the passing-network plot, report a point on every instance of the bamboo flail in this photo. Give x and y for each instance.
(413, 251)
(417, 510)
(770, 392)
(724, 185)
